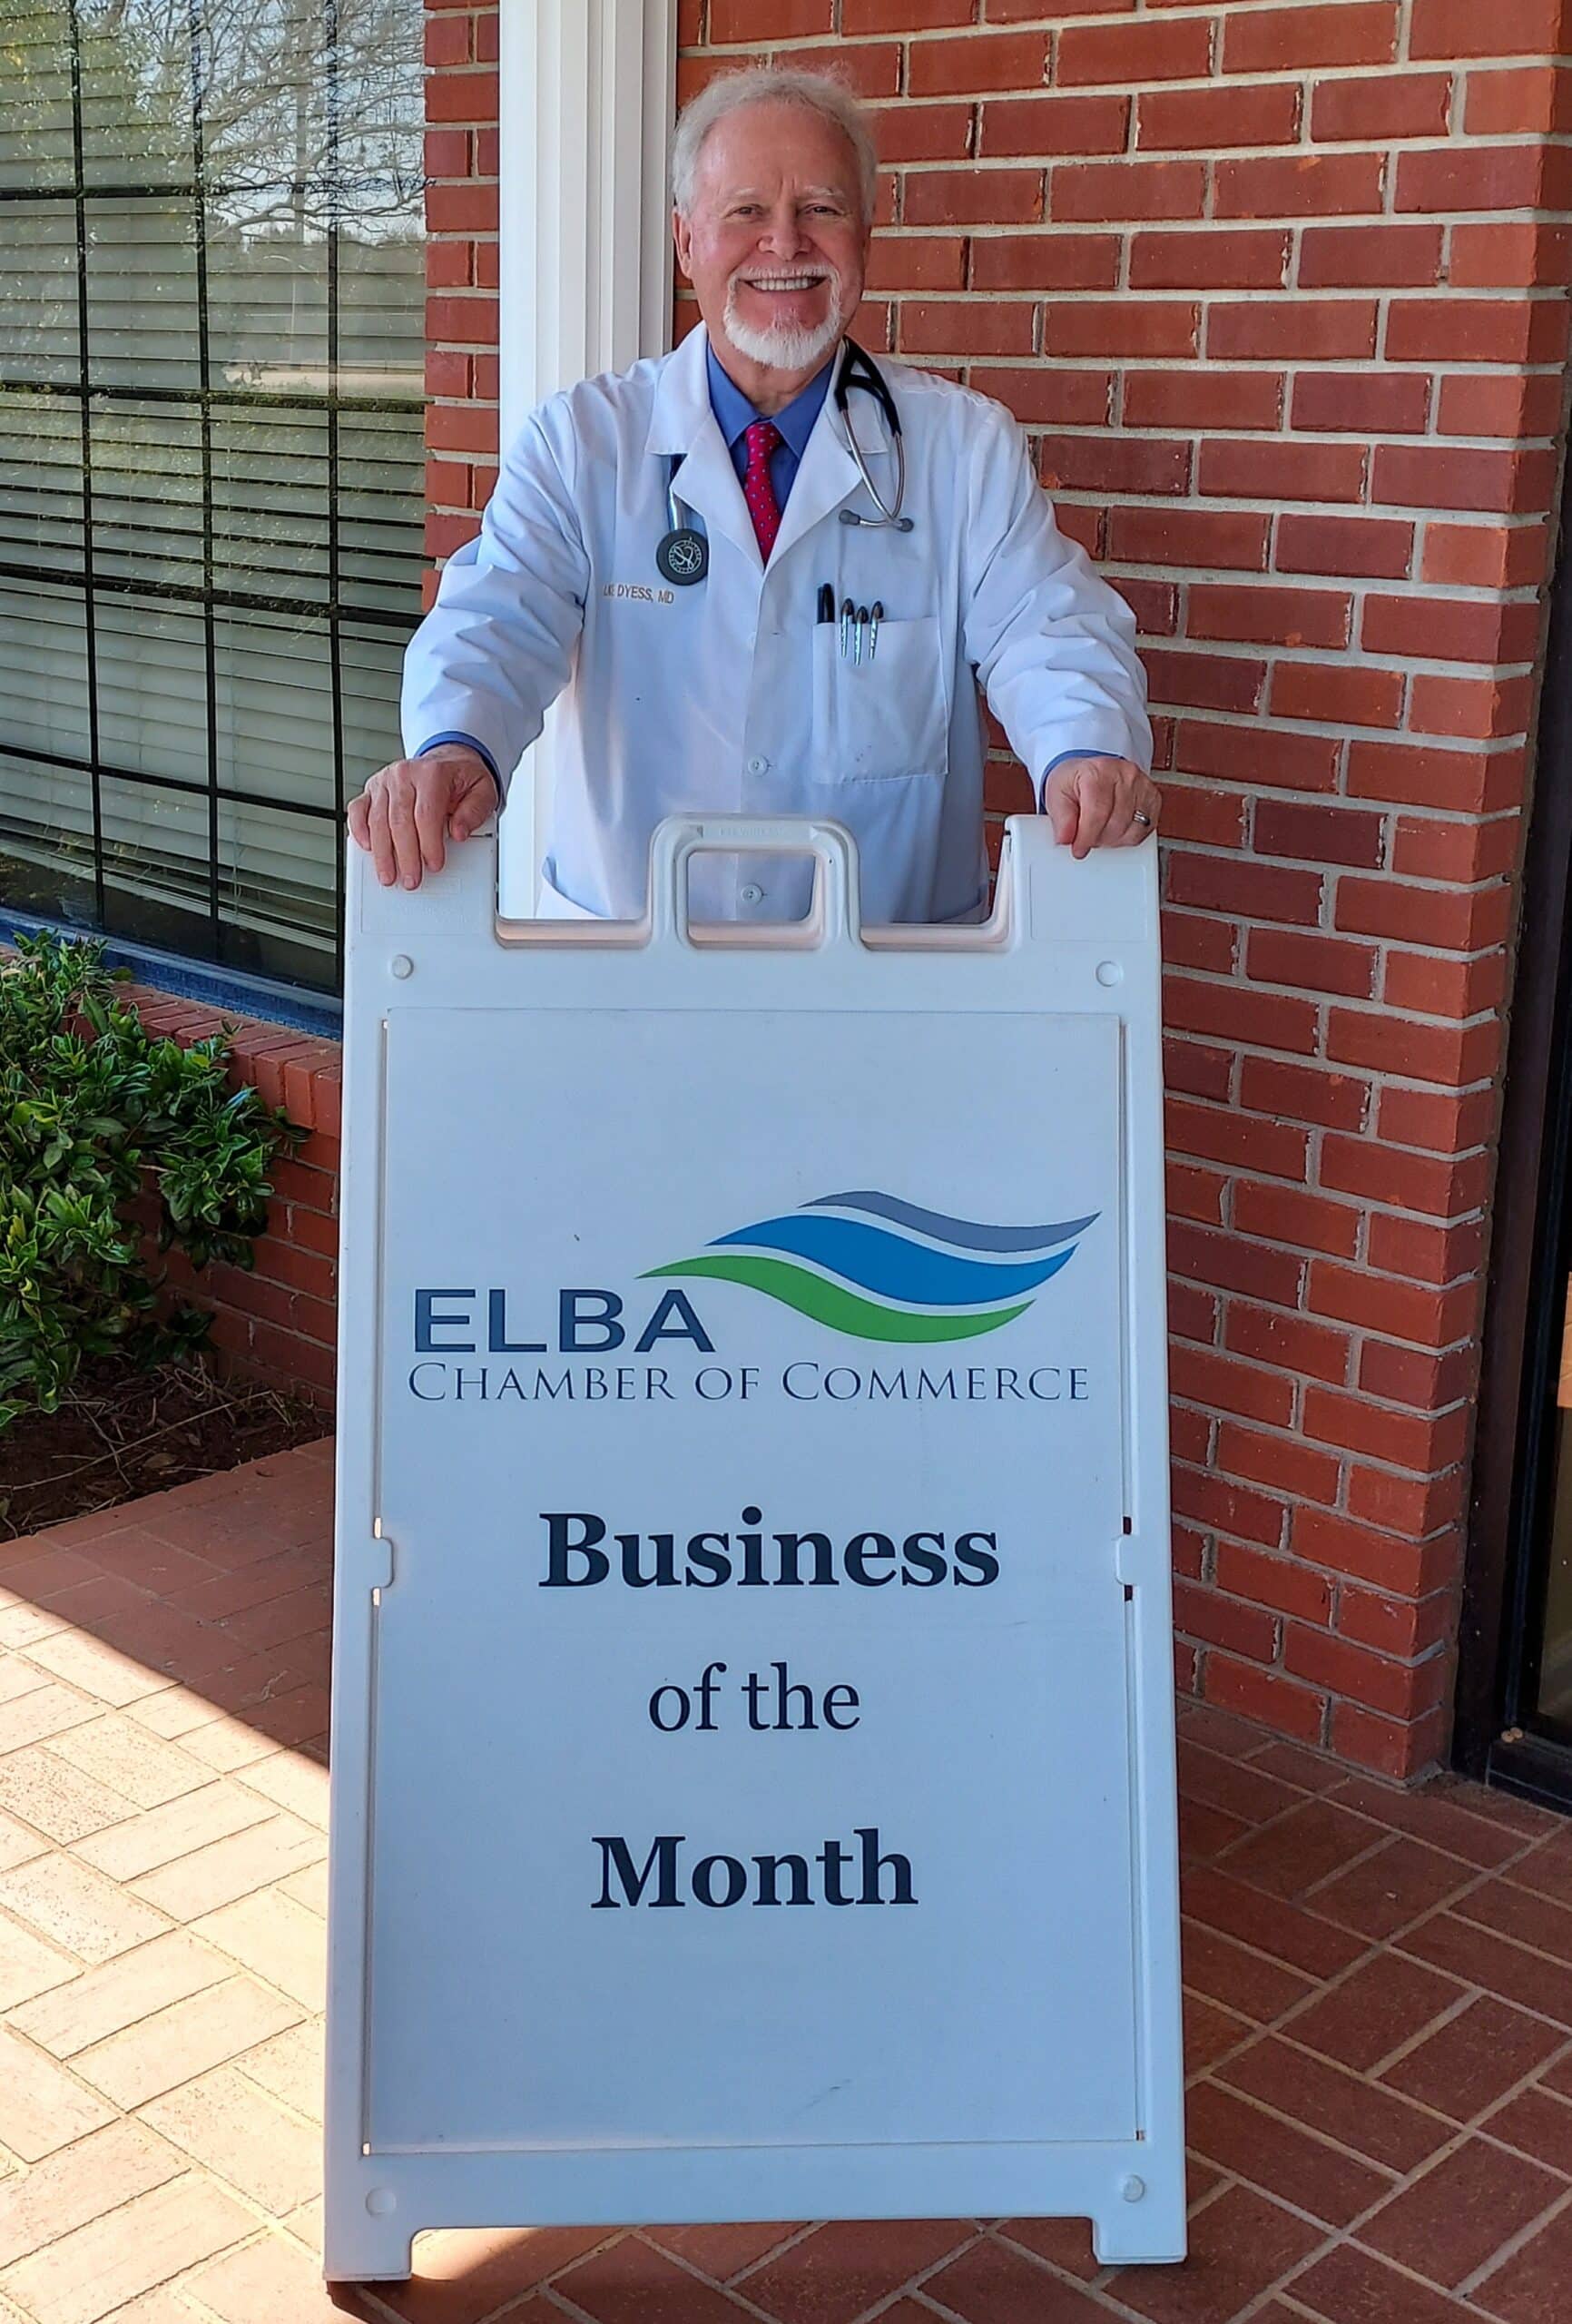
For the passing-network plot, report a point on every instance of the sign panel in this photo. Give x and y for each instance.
(752, 1785)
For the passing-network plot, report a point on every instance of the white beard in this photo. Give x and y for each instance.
(785, 347)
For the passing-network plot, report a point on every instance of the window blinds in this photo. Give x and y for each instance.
(211, 456)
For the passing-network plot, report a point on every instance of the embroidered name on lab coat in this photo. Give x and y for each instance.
(639, 590)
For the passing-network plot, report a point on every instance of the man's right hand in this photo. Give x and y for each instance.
(409, 810)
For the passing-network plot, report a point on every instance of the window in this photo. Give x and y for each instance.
(210, 458)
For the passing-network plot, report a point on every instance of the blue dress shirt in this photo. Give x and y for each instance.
(734, 415)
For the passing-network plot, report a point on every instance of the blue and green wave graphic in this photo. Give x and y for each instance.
(878, 1268)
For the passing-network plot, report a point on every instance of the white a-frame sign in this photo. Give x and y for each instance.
(752, 1784)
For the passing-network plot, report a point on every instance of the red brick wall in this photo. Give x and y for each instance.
(279, 1320)
(1279, 291)
(461, 147)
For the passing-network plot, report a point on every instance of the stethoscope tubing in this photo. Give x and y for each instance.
(857, 369)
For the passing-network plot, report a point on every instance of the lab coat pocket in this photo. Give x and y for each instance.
(886, 716)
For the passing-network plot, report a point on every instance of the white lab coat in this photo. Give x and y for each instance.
(728, 696)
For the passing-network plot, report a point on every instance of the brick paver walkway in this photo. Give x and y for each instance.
(1379, 1998)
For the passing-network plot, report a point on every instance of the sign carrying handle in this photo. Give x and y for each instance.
(835, 916)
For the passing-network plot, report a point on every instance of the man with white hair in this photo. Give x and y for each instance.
(767, 575)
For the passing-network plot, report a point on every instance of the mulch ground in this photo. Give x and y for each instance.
(121, 1433)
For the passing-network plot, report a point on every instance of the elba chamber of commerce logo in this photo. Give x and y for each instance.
(878, 1268)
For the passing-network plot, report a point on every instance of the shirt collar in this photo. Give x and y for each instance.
(734, 413)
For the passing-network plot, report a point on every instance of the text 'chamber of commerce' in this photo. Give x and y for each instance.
(753, 1752)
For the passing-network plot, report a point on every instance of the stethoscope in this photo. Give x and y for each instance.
(860, 370)
(682, 553)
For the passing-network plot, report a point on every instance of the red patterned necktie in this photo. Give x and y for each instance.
(762, 438)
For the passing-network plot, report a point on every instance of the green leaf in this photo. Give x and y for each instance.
(95, 1112)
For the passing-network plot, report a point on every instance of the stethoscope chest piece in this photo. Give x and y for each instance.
(894, 524)
(682, 556)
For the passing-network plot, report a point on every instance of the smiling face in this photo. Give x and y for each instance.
(775, 245)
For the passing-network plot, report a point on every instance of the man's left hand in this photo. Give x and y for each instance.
(1100, 802)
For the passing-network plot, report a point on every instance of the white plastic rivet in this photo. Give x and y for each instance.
(402, 966)
(1110, 972)
(1133, 2188)
(380, 2201)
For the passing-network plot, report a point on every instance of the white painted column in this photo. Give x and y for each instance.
(588, 96)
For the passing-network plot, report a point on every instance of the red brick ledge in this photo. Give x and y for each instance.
(278, 1323)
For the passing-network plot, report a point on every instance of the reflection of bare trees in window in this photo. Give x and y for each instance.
(288, 131)
(314, 108)
(310, 107)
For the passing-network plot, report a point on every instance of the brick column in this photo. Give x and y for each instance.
(461, 151)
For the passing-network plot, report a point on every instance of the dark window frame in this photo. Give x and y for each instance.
(1497, 1737)
(327, 613)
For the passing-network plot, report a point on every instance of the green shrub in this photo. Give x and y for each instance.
(93, 1109)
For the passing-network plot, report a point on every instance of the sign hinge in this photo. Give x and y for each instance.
(1133, 1560)
(378, 1558)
